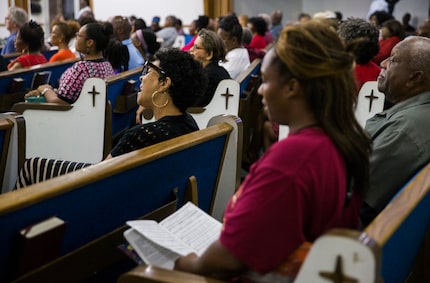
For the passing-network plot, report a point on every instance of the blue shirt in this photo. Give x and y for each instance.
(136, 58)
(9, 46)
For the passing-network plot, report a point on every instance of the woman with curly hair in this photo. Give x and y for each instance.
(28, 41)
(362, 37)
(169, 85)
(306, 184)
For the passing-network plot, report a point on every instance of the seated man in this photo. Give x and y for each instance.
(401, 134)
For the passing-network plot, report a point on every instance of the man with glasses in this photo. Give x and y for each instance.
(15, 18)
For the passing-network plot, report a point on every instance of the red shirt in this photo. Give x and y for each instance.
(385, 46)
(28, 60)
(365, 73)
(258, 42)
(294, 193)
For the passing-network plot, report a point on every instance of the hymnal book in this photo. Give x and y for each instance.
(188, 230)
(40, 243)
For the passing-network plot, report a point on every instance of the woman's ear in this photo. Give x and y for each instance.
(165, 84)
(210, 55)
(293, 87)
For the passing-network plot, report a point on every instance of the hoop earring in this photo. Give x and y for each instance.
(158, 105)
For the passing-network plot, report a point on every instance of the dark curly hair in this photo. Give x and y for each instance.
(259, 25)
(32, 34)
(189, 81)
(363, 36)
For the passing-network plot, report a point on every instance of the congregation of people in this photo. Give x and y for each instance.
(329, 172)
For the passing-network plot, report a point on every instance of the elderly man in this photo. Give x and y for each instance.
(401, 134)
(15, 18)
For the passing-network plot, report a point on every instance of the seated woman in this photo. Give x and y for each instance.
(168, 86)
(29, 41)
(364, 37)
(305, 184)
(209, 49)
(91, 40)
(61, 34)
(392, 33)
(145, 42)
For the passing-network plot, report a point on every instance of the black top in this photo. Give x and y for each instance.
(147, 134)
(216, 73)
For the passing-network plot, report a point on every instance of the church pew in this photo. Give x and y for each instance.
(98, 199)
(250, 102)
(388, 250)
(14, 84)
(78, 132)
(15, 155)
(122, 93)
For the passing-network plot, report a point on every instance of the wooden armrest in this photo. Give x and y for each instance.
(22, 106)
(152, 274)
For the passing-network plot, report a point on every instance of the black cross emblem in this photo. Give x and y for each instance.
(227, 95)
(371, 97)
(94, 93)
(337, 276)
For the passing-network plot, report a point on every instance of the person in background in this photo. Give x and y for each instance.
(363, 37)
(168, 33)
(209, 50)
(258, 27)
(29, 41)
(409, 30)
(267, 35)
(392, 33)
(61, 34)
(401, 134)
(155, 24)
(91, 40)
(117, 55)
(14, 20)
(145, 41)
(137, 24)
(305, 184)
(122, 31)
(168, 85)
(303, 17)
(243, 20)
(379, 17)
(179, 27)
(424, 29)
(276, 27)
(196, 25)
(237, 57)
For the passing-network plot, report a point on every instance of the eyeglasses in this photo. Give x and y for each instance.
(147, 65)
(82, 36)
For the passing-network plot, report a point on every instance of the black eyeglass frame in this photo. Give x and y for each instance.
(147, 65)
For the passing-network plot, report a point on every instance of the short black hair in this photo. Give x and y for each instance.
(189, 81)
(259, 25)
(231, 25)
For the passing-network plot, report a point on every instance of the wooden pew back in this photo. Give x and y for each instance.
(102, 197)
(401, 227)
(10, 96)
(15, 155)
(78, 132)
(122, 95)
